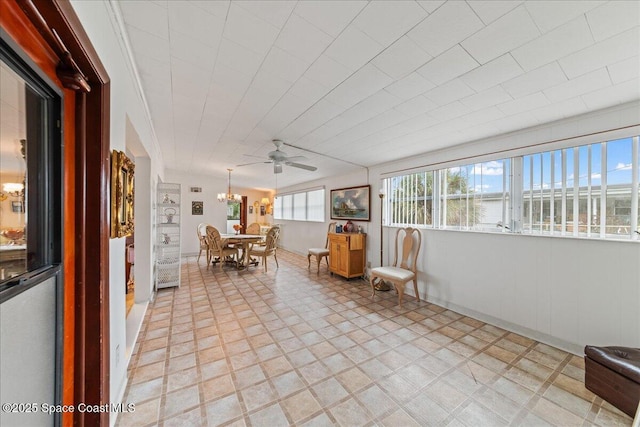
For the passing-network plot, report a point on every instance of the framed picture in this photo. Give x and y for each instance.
(263, 210)
(196, 208)
(351, 203)
(17, 206)
(250, 209)
(122, 190)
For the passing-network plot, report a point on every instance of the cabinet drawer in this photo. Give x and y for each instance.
(338, 238)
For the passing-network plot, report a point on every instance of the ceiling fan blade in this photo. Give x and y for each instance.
(296, 158)
(252, 163)
(251, 155)
(277, 168)
(301, 166)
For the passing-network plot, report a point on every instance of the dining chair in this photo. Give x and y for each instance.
(202, 238)
(268, 249)
(320, 253)
(253, 228)
(400, 274)
(218, 247)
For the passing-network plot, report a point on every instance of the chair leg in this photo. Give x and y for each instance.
(400, 290)
(276, 258)
(318, 258)
(309, 261)
(264, 262)
(372, 281)
(415, 289)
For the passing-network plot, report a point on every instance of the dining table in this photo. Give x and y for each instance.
(245, 241)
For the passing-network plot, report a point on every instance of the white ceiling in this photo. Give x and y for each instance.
(371, 81)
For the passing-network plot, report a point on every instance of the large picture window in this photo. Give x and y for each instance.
(300, 206)
(583, 191)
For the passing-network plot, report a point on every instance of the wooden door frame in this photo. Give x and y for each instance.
(50, 32)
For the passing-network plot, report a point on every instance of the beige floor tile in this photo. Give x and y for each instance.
(258, 395)
(556, 415)
(350, 413)
(290, 347)
(301, 405)
(354, 379)
(329, 392)
(269, 417)
(217, 387)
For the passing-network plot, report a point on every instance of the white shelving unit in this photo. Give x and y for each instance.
(167, 235)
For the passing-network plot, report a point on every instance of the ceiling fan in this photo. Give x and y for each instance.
(279, 158)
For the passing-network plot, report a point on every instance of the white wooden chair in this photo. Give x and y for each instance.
(400, 274)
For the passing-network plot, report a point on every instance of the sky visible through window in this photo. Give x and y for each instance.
(618, 166)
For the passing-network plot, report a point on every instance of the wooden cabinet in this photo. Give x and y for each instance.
(347, 253)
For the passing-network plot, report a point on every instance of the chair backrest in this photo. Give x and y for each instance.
(410, 249)
(202, 233)
(330, 229)
(253, 228)
(272, 239)
(214, 240)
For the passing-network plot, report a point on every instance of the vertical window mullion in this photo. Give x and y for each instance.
(541, 219)
(531, 194)
(635, 167)
(504, 196)
(552, 195)
(589, 166)
(576, 190)
(563, 199)
(603, 192)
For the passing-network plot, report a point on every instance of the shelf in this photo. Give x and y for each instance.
(167, 255)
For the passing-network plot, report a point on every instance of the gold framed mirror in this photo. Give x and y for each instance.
(122, 190)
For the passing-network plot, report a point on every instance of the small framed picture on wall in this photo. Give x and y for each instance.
(196, 208)
(17, 206)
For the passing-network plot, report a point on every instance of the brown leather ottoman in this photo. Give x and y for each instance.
(613, 373)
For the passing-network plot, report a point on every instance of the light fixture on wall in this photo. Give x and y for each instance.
(13, 189)
(229, 197)
(267, 204)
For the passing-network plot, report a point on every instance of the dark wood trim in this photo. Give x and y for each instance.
(86, 184)
(243, 214)
(67, 70)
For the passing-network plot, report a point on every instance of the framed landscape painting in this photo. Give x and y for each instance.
(351, 203)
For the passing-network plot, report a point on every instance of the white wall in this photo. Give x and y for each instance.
(214, 212)
(567, 292)
(100, 23)
(298, 236)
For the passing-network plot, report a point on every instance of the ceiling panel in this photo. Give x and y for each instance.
(449, 65)
(554, 45)
(385, 21)
(450, 24)
(331, 16)
(302, 40)
(490, 42)
(354, 78)
(401, 58)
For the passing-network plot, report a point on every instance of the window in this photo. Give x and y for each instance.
(590, 190)
(300, 206)
(411, 199)
(30, 172)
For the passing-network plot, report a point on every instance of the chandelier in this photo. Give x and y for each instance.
(229, 197)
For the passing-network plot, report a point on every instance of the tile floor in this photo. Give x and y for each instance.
(288, 347)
